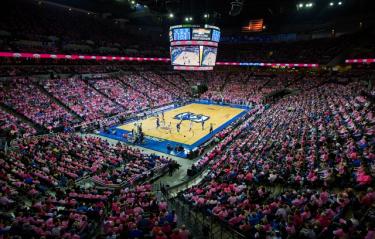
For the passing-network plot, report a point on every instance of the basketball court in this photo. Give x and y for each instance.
(195, 121)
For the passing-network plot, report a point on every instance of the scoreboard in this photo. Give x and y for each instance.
(201, 34)
(194, 32)
(194, 47)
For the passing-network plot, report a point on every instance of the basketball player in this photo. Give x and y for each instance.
(211, 128)
(162, 117)
(190, 125)
(157, 122)
(202, 124)
(178, 127)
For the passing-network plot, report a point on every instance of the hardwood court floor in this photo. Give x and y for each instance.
(218, 116)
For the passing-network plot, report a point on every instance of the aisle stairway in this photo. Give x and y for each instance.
(58, 102)
(155, 84)
(23, 118)
(171, 82)
(126, 84)
(101, 93)
(183, 78)
(200, 223)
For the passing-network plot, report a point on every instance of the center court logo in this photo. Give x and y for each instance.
(191, 116)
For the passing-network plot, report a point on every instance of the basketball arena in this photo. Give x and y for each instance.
(193, 119)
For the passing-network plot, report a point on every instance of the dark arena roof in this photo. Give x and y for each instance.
(177, 119)
(222, 12)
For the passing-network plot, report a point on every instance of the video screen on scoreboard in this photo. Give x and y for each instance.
(215, 35)
(185, 55)
(209, 56)
(201, 34)
(181, 34)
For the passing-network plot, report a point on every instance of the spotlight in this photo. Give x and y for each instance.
(206, 16)
(186, 19)
(190, 18)
(300, 5)
(331, 4)
(171, 15)
(339, 3)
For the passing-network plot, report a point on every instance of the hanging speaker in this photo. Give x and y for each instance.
(236, 7)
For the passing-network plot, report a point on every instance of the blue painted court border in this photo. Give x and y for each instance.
(160, 145)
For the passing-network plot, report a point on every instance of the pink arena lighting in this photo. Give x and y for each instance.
(79, 57)
(159, 59)
(360, 61)
(262, 64)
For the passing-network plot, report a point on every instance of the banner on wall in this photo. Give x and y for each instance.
(80, 57)
(360, 61)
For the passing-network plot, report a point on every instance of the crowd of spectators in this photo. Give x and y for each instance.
(318, 146)
(40, 196)
(27, 99)
(127, 217)
(65, 102)
(315, 148)
(128, 97)
(81, 98)
(12, 127)
(243, 87)
(11, 67)
(311, 51)
(157, 93)
(170, 85)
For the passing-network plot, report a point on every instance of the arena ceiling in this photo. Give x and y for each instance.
(156, 12)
